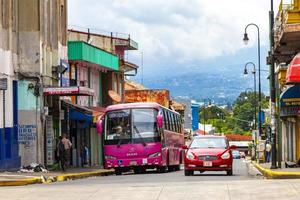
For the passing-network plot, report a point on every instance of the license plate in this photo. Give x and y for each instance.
(207, 164)
(133, 163)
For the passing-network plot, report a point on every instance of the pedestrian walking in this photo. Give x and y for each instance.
(61, 156)
(268, 151)
(67, 149)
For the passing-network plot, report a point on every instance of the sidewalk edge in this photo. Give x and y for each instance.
(74, 176)
(22, 182)
(270, 174)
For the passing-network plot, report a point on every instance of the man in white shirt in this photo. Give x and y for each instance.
(268, 151)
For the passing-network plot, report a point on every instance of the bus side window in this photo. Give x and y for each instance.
(172, 121)
(166, 125)
(177, 124)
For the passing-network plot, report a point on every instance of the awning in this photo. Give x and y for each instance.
(77, 112)
(293, 71)
(290, 101)
(68, 91)
(290, 97)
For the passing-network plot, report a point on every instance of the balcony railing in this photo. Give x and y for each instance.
(288, 14)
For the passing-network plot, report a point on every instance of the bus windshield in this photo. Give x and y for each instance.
(131, 124)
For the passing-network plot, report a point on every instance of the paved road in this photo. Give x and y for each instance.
(162, 186)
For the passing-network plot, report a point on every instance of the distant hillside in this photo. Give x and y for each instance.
(219, 87)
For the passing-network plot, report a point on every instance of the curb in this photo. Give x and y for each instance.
(22, 182)
(270, 174)
(74, 176)
(60, 178)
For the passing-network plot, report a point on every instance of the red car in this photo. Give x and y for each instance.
(208, 153)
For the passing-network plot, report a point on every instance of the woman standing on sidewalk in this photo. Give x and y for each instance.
(61, 153)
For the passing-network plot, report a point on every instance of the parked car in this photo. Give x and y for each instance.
(208, 153)
(236, 154)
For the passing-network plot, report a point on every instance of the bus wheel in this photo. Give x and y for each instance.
(177, 168)
(118, 172)
(139, 171)
(188, 172)
(163, 169)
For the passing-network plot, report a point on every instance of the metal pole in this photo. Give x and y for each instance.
(272, 91)
(255, 102)
(204, 116)
(259, 87)
(4, 137)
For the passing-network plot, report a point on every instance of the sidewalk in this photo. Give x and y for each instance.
(19, 178)
(280, 173)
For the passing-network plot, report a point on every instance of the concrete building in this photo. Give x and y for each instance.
(286, 52)
(33, 41)
(187, 112)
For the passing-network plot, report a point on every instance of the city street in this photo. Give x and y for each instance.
(172, 185)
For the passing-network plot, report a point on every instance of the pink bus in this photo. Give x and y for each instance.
(140, 136)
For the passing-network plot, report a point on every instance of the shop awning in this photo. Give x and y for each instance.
(293, 71)
(290, 102)
(68, 91)
(290, 97)
(78, 112)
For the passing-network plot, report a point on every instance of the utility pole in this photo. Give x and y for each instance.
(272, 90)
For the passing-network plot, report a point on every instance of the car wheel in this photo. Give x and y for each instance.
(229, 172)
(188, 172)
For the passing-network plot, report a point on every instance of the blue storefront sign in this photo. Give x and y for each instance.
(195, 117)
(290, 101)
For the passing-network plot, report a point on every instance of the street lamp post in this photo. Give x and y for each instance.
(254, 74)
(205, 113)
(246, 39)
(272, 90)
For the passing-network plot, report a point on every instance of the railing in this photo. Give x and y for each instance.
(286, 5)
(99, 32)
(282, 16)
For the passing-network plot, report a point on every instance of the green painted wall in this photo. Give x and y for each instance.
(78, 50)
(26, 99)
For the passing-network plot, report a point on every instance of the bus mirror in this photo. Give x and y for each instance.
(160, 121)
(99, 126)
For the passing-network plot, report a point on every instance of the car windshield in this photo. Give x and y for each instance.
(209, 142)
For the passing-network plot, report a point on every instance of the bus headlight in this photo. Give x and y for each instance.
(226, 155)
(157, 154)
(110, 158)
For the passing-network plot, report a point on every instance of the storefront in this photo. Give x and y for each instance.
(290, 117)
(75, 121)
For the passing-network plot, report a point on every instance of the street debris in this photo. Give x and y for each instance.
(33, 167)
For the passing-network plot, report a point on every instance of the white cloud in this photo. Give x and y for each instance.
(181, 31)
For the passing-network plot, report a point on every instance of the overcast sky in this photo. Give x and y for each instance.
(176, 32)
